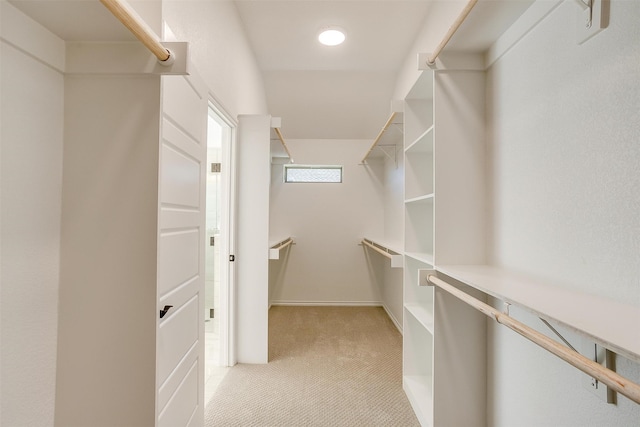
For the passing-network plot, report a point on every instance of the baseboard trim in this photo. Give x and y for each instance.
(329, 303)
(393, 319)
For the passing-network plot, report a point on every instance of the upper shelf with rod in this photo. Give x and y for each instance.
(384, 250)
(609, 322)
(389, 136)
(275, 248)
(279, 147)
(606, 322)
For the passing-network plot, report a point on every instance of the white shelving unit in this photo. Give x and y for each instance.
(444, 353)
(418, 328)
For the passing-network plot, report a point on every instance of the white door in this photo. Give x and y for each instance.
(180, 334)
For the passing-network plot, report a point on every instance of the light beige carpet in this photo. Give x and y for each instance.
(329, 366)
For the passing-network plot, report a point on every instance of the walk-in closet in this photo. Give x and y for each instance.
(431, 220)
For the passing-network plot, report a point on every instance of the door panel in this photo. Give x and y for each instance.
(179, 139)
(171, 384)
(178, 259)
(181, 92)
(180, 352)
(184, 404)
(181, 182)
(178, 333)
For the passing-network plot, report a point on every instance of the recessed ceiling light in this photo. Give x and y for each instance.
(331, 36)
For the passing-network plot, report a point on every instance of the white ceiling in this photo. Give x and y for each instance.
(75, 20)
(346, 91)
(341, 92)
(284, 33)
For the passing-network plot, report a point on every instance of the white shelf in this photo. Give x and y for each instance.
(387, 136)
(393, 247)
(419, 391)
(426, 197)
(278, 245)
(421, 256)
(394, 256)
(613, 324)
(422, 315)
(276, 242)
(422, 144)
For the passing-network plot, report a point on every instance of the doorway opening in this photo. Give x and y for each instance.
(219, 272)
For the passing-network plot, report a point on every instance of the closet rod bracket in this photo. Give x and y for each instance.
(505, 307)
(423, 277)
(593, 18)
(587, 10)
(390, 148)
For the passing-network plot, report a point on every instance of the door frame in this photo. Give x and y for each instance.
(228, 238)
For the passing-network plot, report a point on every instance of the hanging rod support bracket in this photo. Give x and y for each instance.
(390, 148)
(587, 8)
(423, 277)
(558, 334)
(170, 60)
(128, 16)
(505, 307)
(593, 17)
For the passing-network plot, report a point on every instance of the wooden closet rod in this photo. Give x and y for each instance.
(452, 30)
(377, 249)
(382, 131)
(283, 244)
(284, 144)
(607, 376)
(139, 28)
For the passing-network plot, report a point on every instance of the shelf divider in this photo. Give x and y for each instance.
(423, 198)
(422, 315)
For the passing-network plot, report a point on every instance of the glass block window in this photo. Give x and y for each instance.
(307, 173)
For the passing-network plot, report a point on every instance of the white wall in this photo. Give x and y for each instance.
(564, 132)
(32, 137)
(253, 239)
(326, 265)
(109, 252)
(220, 51)
(394, 196)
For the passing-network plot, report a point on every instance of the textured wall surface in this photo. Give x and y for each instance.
(32, 116)
(564, 127)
